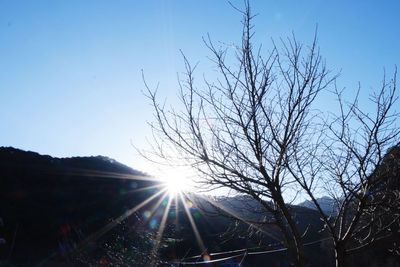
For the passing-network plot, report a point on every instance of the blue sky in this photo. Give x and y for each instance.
(70, 71)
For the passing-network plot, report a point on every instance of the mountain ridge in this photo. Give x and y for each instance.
(50, 205)
(33, 157)
(56, 203)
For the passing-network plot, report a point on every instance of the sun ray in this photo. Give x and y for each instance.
(193, 200)
(238, 217)
(155, 207)
(192, 224)
(105, 174)
(118, 220)
(161, 228)
(156, 186)
(176, 211)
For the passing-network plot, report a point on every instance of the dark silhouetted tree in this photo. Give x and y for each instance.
(256, 130)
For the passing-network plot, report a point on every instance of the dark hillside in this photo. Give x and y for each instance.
(58, 210)
(48, 204)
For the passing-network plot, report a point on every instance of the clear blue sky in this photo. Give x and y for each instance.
(70, 71)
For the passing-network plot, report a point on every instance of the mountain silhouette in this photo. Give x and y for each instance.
(75, 212)
(51, 207)
(49, 204)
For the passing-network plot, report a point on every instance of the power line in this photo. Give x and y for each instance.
(244, 254)
(209, 261)
(221, 253)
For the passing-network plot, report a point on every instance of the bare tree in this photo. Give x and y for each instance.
(356, 163)
(255, 131)
(243, 130)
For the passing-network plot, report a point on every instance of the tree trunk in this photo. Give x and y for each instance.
(298, 251)
(340, 256)
(295, 251)
(296, 245)
(300, 258)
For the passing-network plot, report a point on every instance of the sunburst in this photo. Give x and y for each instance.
(167, 195)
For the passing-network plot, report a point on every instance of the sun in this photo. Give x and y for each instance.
(175, 180)
(174, 186)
